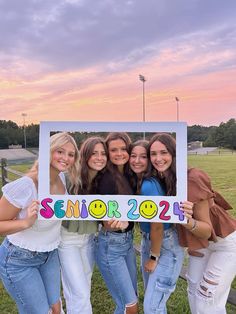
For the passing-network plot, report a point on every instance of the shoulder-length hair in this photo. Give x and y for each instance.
(169, 178)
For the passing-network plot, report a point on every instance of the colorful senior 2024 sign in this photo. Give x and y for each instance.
(105, 207)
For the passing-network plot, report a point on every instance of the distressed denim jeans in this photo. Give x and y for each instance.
(161, 283)
(116, 260)
(210, 276)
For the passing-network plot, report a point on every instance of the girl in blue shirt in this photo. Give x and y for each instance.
(161, 254)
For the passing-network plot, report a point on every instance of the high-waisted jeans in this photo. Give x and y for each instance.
(31, 278)
(116, 260)
(161, 283)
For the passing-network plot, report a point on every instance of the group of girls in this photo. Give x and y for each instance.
(29, 260)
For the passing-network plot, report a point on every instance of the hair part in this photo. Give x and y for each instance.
(113, 136)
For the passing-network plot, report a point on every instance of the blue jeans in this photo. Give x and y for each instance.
(161, 283)
(31, 278)
(116, 261)
(145, 252)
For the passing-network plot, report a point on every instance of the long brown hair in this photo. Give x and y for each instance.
(133, 178)
(122, 184)
(169, 178)
(86, 152)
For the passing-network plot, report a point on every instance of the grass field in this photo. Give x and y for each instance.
(222, 169)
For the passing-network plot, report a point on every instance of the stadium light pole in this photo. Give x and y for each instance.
(177, 108)
(24, 115)
(143, 80)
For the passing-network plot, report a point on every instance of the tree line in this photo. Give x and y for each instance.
(223, 135)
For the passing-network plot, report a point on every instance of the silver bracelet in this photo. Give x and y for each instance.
(155, 255)
(194, 225)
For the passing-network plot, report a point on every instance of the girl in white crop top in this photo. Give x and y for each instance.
(29, 264)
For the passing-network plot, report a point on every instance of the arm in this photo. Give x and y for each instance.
(200, 225)
(8, 213)
(150, 187)
(156, 236)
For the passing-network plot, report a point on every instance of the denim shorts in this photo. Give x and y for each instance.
(31, 278)
(116, 261)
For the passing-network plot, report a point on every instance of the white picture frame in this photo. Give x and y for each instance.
(122, 207)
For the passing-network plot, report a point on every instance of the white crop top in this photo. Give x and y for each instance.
(43, 236)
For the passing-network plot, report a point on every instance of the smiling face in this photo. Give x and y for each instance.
(138, 160)
(148, 209)
(98, 159)
(97, 209)
(160, 157)
(118, 152)
(63, 157)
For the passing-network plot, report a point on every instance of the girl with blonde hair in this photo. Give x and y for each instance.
(29, 263)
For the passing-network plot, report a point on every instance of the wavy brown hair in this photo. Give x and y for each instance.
(133, 178)
(122, 185)
(86, 151)
(169, 178)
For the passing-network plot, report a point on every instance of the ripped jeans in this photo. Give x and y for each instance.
(116, 261)
(161, 283)
(210, 276)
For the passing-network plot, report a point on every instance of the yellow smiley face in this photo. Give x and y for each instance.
(97, 209)
(148, 209)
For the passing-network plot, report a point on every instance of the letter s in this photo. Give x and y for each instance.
(46, 212)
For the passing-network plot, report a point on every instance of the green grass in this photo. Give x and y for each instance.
(22, 168)
(222, 169)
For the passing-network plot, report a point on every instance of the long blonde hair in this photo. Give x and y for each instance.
(56, 141)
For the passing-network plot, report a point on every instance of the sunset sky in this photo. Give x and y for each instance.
(80, 60)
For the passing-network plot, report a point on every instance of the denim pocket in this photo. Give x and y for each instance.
(20, 253)
(117, 239)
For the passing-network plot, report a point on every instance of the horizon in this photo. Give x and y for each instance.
(21, 125)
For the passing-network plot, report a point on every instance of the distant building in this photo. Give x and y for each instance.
(12, 146)
(17, 154)
(194, 145)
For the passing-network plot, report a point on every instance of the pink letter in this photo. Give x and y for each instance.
(46, 212)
